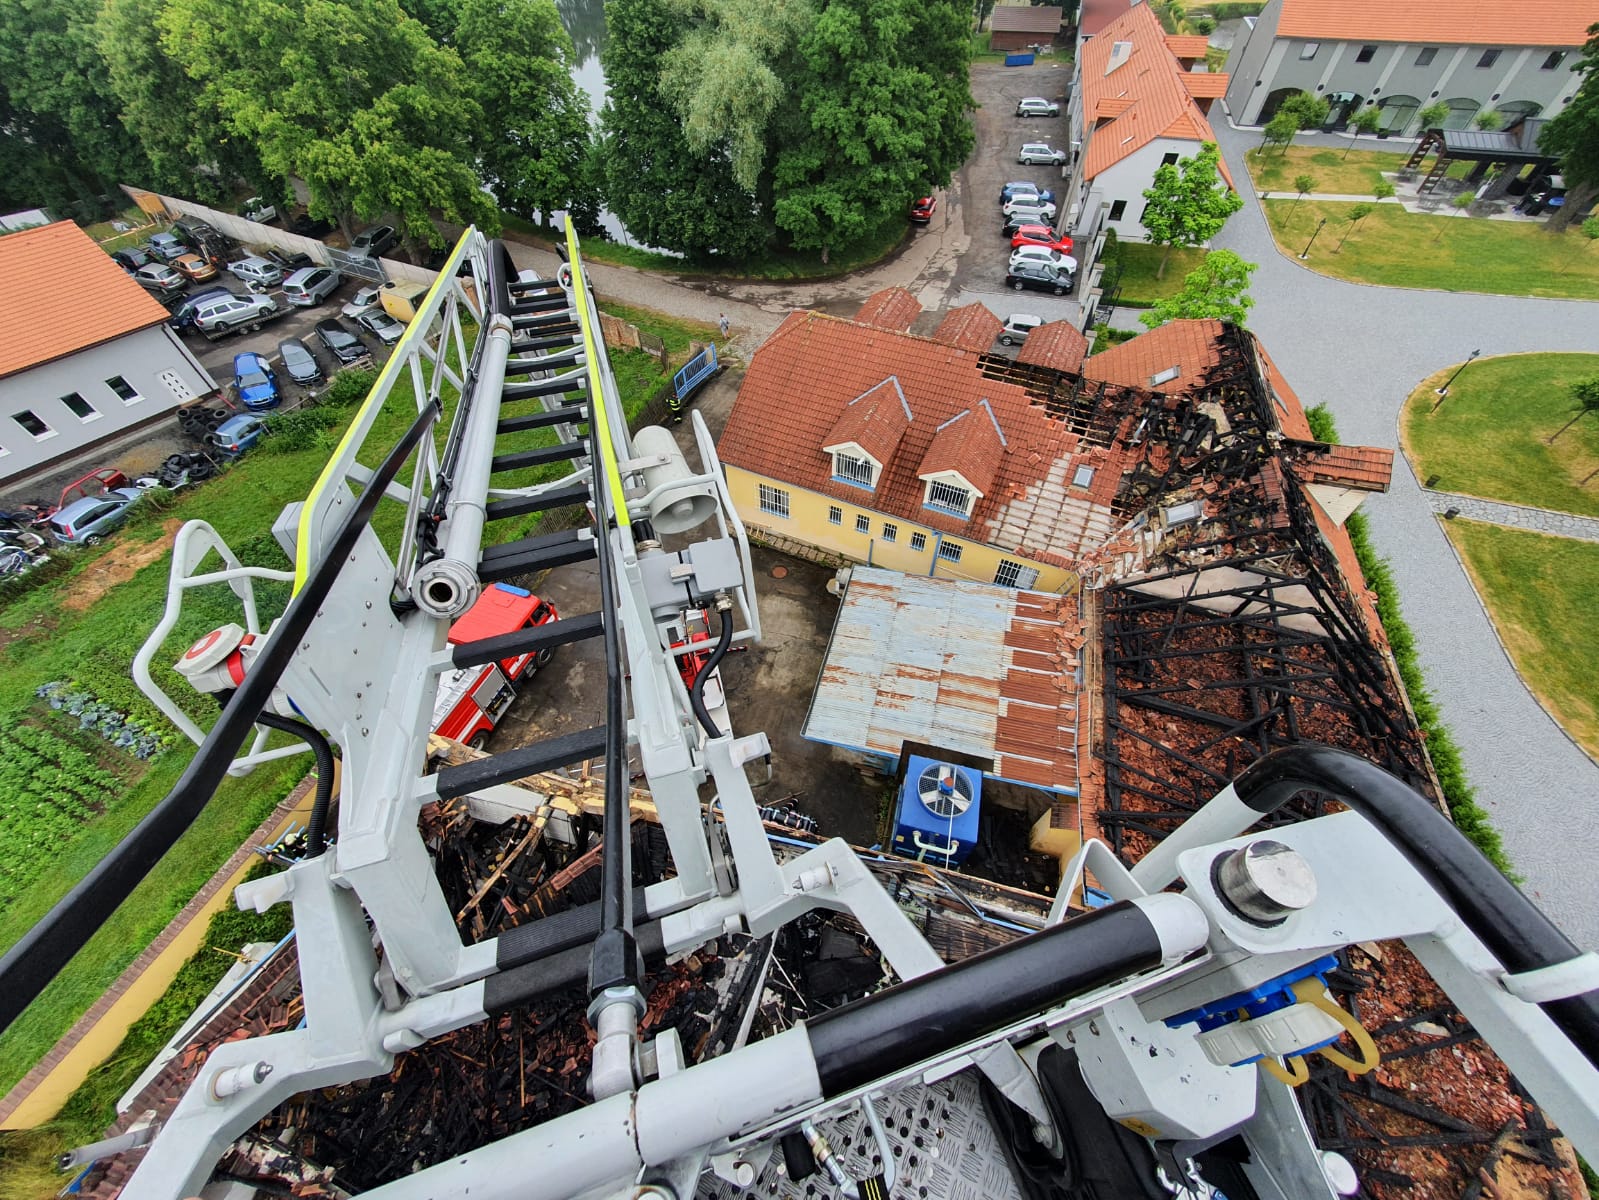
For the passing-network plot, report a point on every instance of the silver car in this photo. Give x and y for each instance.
(1037, 106)
(257, 271)
(158, 277)
(1040, 152)
(378, 322)
(310, 285)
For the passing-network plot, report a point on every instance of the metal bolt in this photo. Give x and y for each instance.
(1265, 881)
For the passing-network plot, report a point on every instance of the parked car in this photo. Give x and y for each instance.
(1041, 235)
(1036, 106)
(234, 312)
(158, 277)
(1041, 276)
(922, 210)
(85, 522)
(1040, 152)
(343, 344)
(131, 259)
(288, 263)
(256, 271)
(1017, 327)
(257, 209)
(1023, 200)
(1043, 254)
(363, 301)
(311, 285)
(386, 328)
(1023, 216)
(255, 383)
(236, 435)
(193, 267)
(168, 247)
(375, 241)
(1021, 185)
(182, 318)
(299, 362)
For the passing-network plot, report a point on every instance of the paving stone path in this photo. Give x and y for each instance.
(1518, 516)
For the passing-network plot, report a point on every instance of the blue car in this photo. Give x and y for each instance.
(255, 382)
(236, 435)
(1022, 185)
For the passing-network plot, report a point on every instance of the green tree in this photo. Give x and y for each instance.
(61, 143)
(1189, 203)
(352, 96)
(1573, 134)
(1357, 214)
(1585, 395)
(879, 112)
(1217, 288)
(1309, 112)
(1367, 120)
(1462, 201)
(1489, 120)
(1302, 184)
(981, 9)
(667, 194)
(1383, 190)
(1279, 131)
(1433, 115)
(533, 139)
(722, 78)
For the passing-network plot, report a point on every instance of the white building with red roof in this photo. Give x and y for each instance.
(86, 355)
(1472, 56)
(1142, 98)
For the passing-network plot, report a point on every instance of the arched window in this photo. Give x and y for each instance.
(1398, 112)
(1518, 110)
(1461, 110)
(1340, 107)
(1274, 101)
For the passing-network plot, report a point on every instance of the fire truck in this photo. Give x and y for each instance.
(471, 700)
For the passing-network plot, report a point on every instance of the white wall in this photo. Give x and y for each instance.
(1129, 179)
(152, 361)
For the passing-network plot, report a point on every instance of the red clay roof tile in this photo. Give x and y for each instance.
(970, 443)
(1058, 344)
(1445, 22)
(63, 294)
(875, 421)
(1367, 467)
(971, 326)
(892, 308)
(1190, 346)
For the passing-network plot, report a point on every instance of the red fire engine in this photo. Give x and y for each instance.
(472, 700)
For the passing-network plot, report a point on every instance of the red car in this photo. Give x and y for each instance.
(922, 211)
(1041, 235)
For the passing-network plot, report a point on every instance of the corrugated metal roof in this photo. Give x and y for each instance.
(968, 666)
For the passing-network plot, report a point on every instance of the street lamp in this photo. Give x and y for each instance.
(1305, 253)
(1443, 392)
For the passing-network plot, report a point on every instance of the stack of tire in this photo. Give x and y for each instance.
(179, 469)
(198, 421)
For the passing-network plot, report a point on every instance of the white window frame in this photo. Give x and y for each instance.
(133, 399)
(1308, 51)
(773, 500)
(1083, 477)
(939, 503)
(890, 532)
(835, 515)
(94, 414)
(854, 469)
(38, 437)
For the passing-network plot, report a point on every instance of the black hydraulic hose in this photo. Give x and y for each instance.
(903, 1025)
(40, 953)
(1513, 928)
(315, 828)
(696, 694)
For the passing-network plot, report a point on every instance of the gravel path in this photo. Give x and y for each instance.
(1361, 350)
(1517, 516)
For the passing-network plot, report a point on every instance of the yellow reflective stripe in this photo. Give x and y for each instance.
(593, 348)
(379, 393)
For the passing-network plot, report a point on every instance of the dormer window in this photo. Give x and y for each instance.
(948, 498)
(854, 468)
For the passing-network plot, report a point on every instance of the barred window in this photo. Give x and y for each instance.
(918, 542)
(835, 515)
(950, 550)
(854, 470)
(1013, 574)
(863, 524)
(948, 497)
(890, 532)
(774, 500)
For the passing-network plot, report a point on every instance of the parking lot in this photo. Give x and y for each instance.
(1000, 134)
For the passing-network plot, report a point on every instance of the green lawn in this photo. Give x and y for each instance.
(1335, 173)
(1542, 593)
(1140, 261)
(43, 638)
(1449, 252)
(1488, 437)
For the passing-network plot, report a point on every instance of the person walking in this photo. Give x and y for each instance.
(723, 323)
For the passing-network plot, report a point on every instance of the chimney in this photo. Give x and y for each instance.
(1120, 52)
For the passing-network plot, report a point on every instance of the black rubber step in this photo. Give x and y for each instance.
(540, 304)
(553, 934)
(536, 554)
(544, 362)
(538, 457)
(522, 641)
(565, 414)
(521, 287)
(521, 506)
(553, 341)
(548, 755)
(552, 324)
(544, 387)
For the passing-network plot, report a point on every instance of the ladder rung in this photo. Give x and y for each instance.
(521, 287)
(536, 554)
(554, 323)
(538, 457)
(541, 304)
(548, 755)
(521, 506)
(543, 387)
(548, 343)
(520, 641)
(545, 362)
(552, 934)
(543, 420)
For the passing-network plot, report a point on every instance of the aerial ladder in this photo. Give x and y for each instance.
(1173, 1020)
